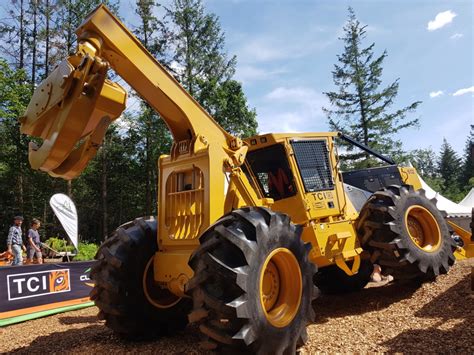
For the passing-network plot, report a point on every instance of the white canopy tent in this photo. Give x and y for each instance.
(451, 208)
(468, 200)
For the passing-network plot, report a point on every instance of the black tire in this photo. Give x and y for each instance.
(384, 229)
(119, 292)
(226, 287)
(333, 280)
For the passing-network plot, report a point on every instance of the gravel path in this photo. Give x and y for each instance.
(437, 317)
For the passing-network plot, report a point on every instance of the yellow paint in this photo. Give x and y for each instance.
(410, 177)
(171, 268)
(467, 251)
(155, 294)
(423, 228)
(202, 177)
(281, 286)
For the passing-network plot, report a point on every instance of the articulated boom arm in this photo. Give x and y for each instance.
(73, 107)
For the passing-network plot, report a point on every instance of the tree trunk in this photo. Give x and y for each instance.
(69, 30)
(46, 50)
(22, 36)
(105, 216)
(34, 38)
(147, 168)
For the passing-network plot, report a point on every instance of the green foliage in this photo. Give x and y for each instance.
(14, 94)
(69, 15)
(59, 244)
(120, 183)
(198, 46)
(201, 65)
(228, 105)
(449, 167)
(151, 31)
(86, 252)
(360, 108)
(466, 177)
(424, 160)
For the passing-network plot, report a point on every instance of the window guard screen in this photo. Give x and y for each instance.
(312, 158)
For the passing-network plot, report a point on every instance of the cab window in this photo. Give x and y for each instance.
(271, 169)
(312, 157)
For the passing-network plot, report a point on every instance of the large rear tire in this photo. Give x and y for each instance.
(132, 305)
(406, 234)
(252, 287)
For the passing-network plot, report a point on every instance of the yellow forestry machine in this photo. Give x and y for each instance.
(247, 229)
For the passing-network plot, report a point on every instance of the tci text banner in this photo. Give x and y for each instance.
(33, 288)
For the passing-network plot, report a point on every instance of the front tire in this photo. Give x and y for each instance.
(129, 301)
(252, 286)
(406, 234)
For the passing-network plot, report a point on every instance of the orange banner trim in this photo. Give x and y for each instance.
(45, 307)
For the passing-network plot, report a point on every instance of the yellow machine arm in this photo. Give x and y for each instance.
(71, 109)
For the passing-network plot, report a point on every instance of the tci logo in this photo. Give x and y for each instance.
(85, 277)
(38, 284)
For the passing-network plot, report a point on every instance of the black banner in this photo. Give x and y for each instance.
(41, 287)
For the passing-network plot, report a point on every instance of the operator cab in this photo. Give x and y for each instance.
(298, 171)
(272, 172)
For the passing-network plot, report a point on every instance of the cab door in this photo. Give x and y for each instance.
(318, 176)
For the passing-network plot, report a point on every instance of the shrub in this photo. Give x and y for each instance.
(87, 251)
(59, 244)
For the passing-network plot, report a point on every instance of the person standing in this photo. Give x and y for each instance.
(33, 243)
(15, 242)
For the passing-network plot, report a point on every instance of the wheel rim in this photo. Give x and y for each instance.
(280, 287)
(156, 295)
(423, 228)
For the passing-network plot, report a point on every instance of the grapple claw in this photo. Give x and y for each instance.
(71, 111)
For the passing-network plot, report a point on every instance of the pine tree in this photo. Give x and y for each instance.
(69, 15)
(14, 95)
(14, 32)
(157, 140)
(449, 167)
(46, 9)
(424, 161)
(199, 62)
(360, 108)
(198, 46)
(228, 105)
(466, 178)
(34, 7)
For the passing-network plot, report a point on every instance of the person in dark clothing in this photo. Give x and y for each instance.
(15, 241)
(34, 243)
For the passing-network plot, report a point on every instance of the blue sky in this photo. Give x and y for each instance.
(286, 51)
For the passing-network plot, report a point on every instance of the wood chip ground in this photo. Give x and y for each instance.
(393, 318)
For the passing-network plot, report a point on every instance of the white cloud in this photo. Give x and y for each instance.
(306, 97)
(297, 94)
(249, 73)
(266, 48)
(436, 93)
(292, 109)
(456, 36)
(177, 67)
(441, 20)
(464, 91)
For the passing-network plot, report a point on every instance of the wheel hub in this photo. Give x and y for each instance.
(423, 228)
(280, 287)
(271, 286)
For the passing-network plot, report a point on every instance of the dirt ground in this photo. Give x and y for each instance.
(434, 318)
